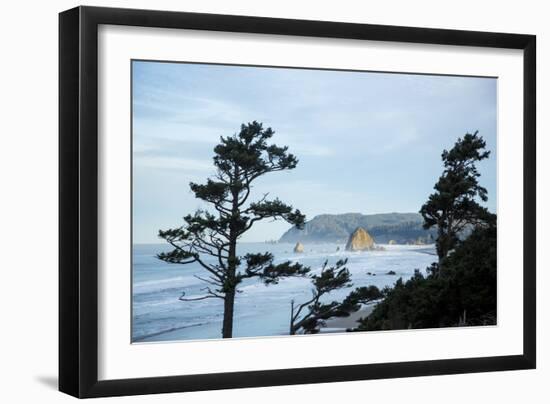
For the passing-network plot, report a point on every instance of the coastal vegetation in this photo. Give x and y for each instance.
(463, 294)
(459, 289)
(453, 207)
(308, 317)
(239, 160)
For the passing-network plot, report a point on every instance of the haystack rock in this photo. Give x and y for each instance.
(360, 240)
(299, 247)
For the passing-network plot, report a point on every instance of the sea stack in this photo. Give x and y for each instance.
(360, 240)
(299, 247)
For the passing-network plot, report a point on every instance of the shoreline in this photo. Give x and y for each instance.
(340, 324)
(261, 311)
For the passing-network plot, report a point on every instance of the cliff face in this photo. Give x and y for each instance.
(360, 240)
(401, 227)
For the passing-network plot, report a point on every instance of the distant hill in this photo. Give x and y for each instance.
(401, 227)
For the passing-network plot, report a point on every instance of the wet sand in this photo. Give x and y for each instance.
(340, 324)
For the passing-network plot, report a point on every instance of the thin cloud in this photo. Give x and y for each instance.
(173, 163)
(366, 142)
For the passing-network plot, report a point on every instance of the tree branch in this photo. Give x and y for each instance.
(210, 295)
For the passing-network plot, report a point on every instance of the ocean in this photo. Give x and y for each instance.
(159, 315)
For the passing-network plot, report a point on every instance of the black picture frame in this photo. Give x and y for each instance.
(78, 201)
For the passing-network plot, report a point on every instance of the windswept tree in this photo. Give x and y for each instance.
(454, 207)
(209, 237)
(312, 314)
(460, 289)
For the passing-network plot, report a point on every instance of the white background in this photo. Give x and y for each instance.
(118, 358)
(28, 159)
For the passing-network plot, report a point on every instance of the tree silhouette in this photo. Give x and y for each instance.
(239, 160)
(310, 315)
(460, 289)
(453, 207)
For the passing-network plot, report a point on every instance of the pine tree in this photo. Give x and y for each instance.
(453, 208)
(239, 160)
(461, 288)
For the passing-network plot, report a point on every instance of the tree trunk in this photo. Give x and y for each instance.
(230, 288)
(228, 305)
(231, 285)
(292, 330)
(443, 247)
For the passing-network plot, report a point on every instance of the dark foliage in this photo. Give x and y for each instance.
(460, 289)
(453, 207)
(464, 293)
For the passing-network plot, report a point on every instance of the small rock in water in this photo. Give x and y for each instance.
(391, 273)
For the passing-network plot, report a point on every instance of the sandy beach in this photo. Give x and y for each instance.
(340, 324)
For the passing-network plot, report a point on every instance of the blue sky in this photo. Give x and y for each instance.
(367, 142)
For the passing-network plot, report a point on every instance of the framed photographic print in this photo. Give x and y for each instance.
(250, 201)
